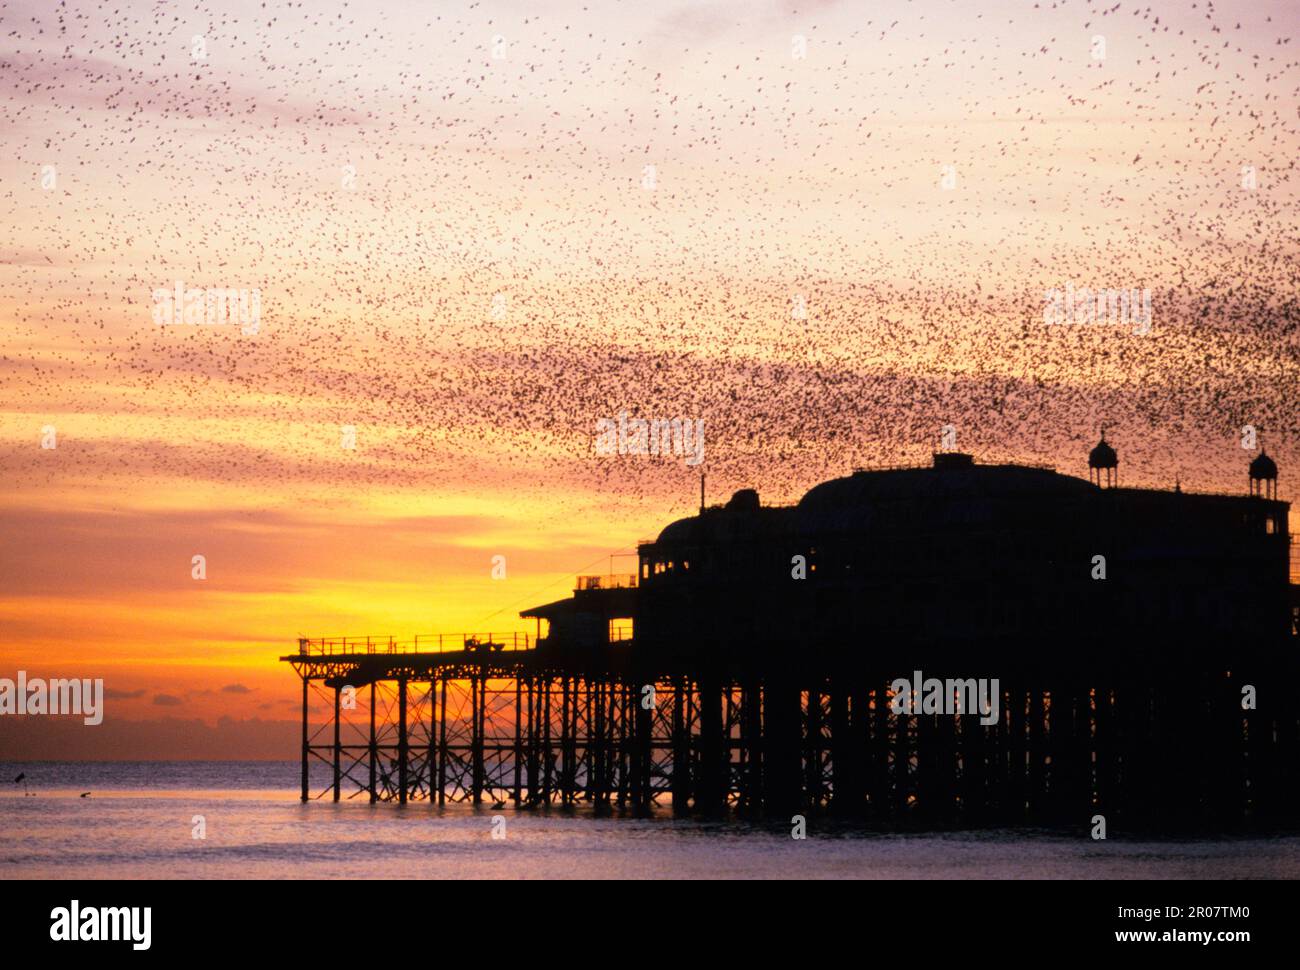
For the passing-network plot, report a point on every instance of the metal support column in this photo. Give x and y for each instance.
(374, 748)
(401, 741)
(338, 747)
(442, 742)
(306, 742)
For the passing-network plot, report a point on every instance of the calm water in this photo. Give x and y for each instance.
(137, 823)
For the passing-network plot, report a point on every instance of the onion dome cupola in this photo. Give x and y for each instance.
(1263, 476)
(1103, 458)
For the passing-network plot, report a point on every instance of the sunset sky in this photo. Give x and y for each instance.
(478, 228)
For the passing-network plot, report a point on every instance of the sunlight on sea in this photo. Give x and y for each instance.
(139, 821)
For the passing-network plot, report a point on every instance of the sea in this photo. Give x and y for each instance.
(244, 820)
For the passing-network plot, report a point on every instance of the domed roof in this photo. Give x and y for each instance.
(1263, 467)
(745, 500)
(869, 498)
(1103, 456)
(742, 519)
(955, 489)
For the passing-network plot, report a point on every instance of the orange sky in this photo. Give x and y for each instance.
(472, 258)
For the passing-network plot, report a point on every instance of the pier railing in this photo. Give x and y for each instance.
(614, 581)
(423, 643)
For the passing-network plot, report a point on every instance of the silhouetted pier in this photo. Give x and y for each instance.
(750, 664)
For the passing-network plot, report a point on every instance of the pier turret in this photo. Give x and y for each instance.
(1103, 458)
(1263, 476)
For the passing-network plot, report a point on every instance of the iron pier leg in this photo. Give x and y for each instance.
(780, 784)
(589, 742)
(305, 740)
(476, 736)
(681, 779)
(566, 745)
(433, 746)
(753, 741)
(597, 784)
(624, 694)
(401, 741)
(442, 743)
(880, 761)
(519, 739)
(711, 790)
(338, 748)
(548, 759)
(1017, 751)
(642, 750)
(843, 761)
(534, 709)
(1037, 717)
(374, 749)
(812, 765)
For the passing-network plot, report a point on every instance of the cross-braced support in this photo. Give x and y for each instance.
(509, 730)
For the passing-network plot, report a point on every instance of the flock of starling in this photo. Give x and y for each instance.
(826, 229)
